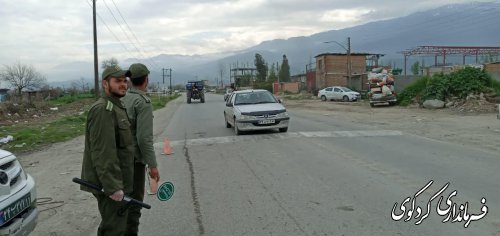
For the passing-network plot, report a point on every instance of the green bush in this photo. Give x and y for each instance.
(467, 81)
(415, 89)
(437, 87)
(494, 85)
(457, 84)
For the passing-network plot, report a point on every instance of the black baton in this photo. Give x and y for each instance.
(125, 198)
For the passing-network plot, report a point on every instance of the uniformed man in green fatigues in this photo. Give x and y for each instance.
(140, 114)
(108, 159)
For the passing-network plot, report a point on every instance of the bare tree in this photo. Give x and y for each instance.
(80, 84)
(110, 62)
(22, 76)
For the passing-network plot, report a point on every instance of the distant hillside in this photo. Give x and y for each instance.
(471, 24)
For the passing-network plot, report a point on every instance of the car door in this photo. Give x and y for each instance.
(229, 110)
(337, 94)
(328, 93)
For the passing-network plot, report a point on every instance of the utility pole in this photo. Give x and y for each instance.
(163, 70)
(96, 68)
(349, 69)
(170, 77)
(163, 75)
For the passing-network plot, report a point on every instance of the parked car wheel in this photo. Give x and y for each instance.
(323, 98)
(227, 123)
(372, 104)
(345, 98)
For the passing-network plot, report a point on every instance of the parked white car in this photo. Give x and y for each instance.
(249, 110)
(338, 93)
(18, 212)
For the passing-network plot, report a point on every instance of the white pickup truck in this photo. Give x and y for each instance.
(18, 212)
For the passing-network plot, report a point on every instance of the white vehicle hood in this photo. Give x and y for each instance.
(4, 153)
(260, 107)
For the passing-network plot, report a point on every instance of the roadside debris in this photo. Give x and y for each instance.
(6, 139)
(19, 145)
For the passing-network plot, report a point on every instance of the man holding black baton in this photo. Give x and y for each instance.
(108, 159)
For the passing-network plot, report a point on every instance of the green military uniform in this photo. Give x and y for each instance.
(108, 161)
(140, 114)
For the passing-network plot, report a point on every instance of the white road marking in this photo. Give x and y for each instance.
(317, 134)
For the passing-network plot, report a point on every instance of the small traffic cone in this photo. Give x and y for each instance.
(167, 150)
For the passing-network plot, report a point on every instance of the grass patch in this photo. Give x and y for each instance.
(32, 137)
(495, 85)
(67, 99)
(160, 101)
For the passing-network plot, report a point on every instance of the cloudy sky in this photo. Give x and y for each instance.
(51, 32)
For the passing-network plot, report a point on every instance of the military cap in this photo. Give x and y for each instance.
(114, 71)
(138, 70)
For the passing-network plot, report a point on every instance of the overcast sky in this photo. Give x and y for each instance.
(51, 32)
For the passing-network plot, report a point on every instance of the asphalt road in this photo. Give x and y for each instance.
(325, 176)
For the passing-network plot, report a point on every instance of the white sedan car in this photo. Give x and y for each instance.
(249, 110)
(338, 93)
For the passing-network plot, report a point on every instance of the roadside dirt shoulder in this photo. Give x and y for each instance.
(65, 209)
(475, 130)
(68, 211)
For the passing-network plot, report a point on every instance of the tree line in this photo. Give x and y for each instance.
(266, 75)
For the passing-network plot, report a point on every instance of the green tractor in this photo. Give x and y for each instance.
(195, 90)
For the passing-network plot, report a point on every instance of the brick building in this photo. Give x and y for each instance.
(332, 69)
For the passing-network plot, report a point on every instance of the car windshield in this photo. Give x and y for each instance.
(254, 98)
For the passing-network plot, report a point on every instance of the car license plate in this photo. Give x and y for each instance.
(14, 209)
(265, 122)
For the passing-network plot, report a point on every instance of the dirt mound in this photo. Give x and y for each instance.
(474, 104)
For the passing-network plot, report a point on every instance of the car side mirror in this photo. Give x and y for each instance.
(280, 101)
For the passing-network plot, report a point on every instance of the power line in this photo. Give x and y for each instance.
(124, 32)
(128, 26)
(102, 20)
(114, 35)
(119, 25)
(133, 34)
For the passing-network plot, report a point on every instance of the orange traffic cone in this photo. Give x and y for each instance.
(167, 150)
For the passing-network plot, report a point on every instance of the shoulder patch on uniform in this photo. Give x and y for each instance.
(109, 106)
(146, 98)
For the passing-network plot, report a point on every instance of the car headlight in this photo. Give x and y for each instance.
(245, 117)
(282, 115)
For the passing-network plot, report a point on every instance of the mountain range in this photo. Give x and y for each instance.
(470, 24)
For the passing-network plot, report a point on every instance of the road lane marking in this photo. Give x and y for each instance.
(316, 134)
